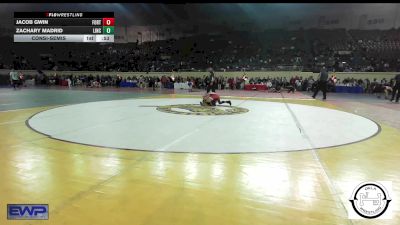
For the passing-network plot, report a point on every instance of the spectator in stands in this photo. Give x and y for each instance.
(69, 82)
(141, 82)
(118, 81)
(190, 84)
(387, 88)
(14, 79)
(152, 83)
(21, 79)
(231, 83)
(269, 84)
(164, 81)
(298, 84)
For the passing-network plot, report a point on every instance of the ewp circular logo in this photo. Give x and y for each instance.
(193, 109)
(370, 200)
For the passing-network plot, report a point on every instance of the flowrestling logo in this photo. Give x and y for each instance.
(371, 200)
(27, 211)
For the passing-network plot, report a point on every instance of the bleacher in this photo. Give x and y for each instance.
(233, 51)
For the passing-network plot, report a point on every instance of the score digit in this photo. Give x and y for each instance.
(108, 21)
(108, 30)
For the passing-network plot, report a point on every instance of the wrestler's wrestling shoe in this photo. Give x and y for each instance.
(229, 102)
(201, 103)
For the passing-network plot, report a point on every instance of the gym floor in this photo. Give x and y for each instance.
(153, 182)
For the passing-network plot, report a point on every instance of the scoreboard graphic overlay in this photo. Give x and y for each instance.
(64, 26)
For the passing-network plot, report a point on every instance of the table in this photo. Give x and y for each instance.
(259, 87)
(30, 82)
(128, 84)
(184, 86)
(349, 89)
(170, 85)
(63, 82)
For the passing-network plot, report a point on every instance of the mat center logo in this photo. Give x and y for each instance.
(193, 109)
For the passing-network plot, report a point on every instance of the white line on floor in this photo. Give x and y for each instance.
(164, 148)
(12, 110)
(11, 122)
(331, 185)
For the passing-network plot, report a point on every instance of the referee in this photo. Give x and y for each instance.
(396, 88)
(210, 82)
(322, 83)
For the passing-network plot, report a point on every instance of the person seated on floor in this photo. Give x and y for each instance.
(385, 88)
(211, 98)
(290, 88)
(377, 89)
(388, 89)
(95, 84)
(190, 85)
(276, 89)
(269, 84)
